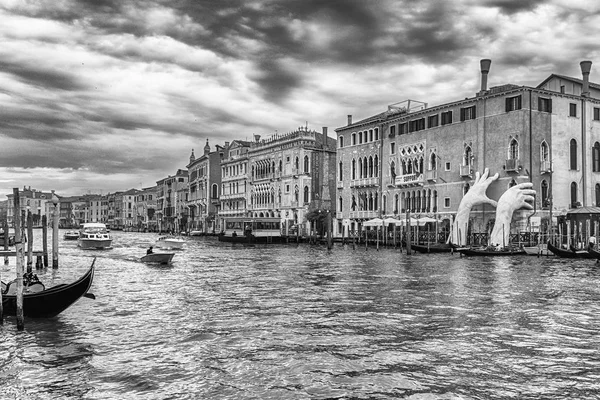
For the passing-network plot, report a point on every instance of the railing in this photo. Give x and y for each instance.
(512, 164)
(545, 167)
(431, 175)
(365, 182)
(364, 214)
(233, 196)
(466, 170)
(409, 179)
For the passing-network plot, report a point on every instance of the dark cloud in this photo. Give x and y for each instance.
(42, 76)
(513, 7)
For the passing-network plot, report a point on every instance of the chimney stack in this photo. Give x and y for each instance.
(485, 68)
(349, 119)
(586, 67)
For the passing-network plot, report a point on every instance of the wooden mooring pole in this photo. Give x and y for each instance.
(6, 239)
(29, 241)
(45, 240)
(20, 259)
(55, 218)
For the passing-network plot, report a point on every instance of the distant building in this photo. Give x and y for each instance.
(235, 180)
(33, 200)
(171, 208)
(145, 206)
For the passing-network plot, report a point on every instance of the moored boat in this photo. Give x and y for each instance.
(252, 230)
(490, 251)
(71, 235)
(196, 233)
(539, 250)
(564, 253)
(170, 242)
(158, 258)
(433, 248)
(94, 235)
(41, 302)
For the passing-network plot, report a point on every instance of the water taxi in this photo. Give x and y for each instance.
(252, 230)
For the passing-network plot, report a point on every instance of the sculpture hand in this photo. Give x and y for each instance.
(476, 194)
(517, 197)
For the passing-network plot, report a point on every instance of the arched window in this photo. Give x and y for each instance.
(376, 166)
(353, 169)
(409, 166)
(280, 165)
(421, 164)
(370, 167)
(297, 163)
(392, 172)
(513, 150)
(404, 168)
(596, 157)
(365, 168)
(383, 201)
(360, 137)
(573, 154)
(340, 204)
(215, 191)
(353, 203)
(544, 152)
(573, 194)
(432, 162)
(396, 203)
(467, 156)
(360, 168)
(597, 194)
(403, 202)
(544, 193)
(341, 172)
(306, 166)
(305, 194)
(296, 193)
(354, 138)
(341, 141)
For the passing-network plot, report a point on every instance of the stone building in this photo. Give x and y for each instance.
(171, 202)
(423, 159)
(235, 180)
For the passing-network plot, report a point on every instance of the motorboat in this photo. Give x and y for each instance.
(42, 302)
(158, 258)
(170, 242)
(71, 235)
(94, 235)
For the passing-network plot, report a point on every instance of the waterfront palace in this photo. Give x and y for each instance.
(408, 158)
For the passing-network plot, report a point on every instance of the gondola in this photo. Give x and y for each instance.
(158, 258)
(570, 253)
(485, 251)
(49, 302)
(433, 248)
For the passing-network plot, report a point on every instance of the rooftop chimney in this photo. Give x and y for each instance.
(485, 68)
(586, 66)
(349, 119)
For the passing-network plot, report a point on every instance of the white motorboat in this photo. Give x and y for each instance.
(170, 242)
(94, 235)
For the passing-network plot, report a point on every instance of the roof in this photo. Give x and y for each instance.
(584, 210)
(568, 78)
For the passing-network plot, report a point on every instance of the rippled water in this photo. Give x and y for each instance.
(302, 322)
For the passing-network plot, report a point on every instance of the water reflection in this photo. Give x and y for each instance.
(297, 322)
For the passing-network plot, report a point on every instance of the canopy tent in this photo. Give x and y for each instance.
(390, 220)
(424, 220)
(583, 213)
(373, 222)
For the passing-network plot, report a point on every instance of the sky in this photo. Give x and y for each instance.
(98, 96)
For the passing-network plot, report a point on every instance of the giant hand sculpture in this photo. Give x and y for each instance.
(513, 199)
(476, 195)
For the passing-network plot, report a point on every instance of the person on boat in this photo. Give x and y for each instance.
(234, 234)
(149, 251)
(592, 243)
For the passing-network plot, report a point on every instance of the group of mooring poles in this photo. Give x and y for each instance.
(41, 260)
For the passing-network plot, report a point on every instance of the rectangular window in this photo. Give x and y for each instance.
(447, 166)
(562, 88)
(392, 148)
(596, 114)
(402, 128)
(544, 105)
(432, 121)
(467, 113)
(416, 125)
(446, 117)
(392, 130)
(446, 202)
(572, 110)
(376, 133)
(513, 103)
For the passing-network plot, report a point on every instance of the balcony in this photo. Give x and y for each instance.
(364, 182)
(545, 167)
(409, 180)
(511, 165)
(466, 170)
(364, 214)
(431, 175)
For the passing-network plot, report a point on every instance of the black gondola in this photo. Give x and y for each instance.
(563, 253)
(484, 251)
(432, 248)
(49, 302)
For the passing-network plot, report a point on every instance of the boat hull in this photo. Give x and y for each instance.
(433, 248)
(170, 243)
(99, 244)
(50, 302)
(490, 253)
(541, 250)
(158, 258)
(251, 239)
(562, 253)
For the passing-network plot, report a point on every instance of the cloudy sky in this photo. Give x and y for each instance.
(107, 95)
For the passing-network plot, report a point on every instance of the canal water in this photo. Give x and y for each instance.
(303, 322)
